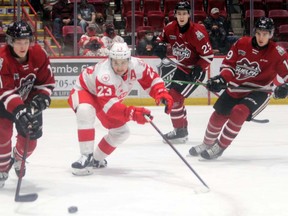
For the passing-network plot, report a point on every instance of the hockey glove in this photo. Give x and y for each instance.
(138, 114)
(40, 102)
(281, 91)
(196, 73)
(216, 84)
(164, 97)
(25, 119)
(160, 50)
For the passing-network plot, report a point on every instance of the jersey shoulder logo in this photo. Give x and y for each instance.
(199, 35)
(280, 50)
(246, 69)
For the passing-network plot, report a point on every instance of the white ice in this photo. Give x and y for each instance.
(145, 177)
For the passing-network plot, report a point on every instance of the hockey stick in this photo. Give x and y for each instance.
(229, 86)
(27, 197)
(175, 150)
(263, 121)
(181, 66)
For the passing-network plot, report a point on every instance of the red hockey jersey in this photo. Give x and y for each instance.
(190, 48)
(19, 82)
(248, 66)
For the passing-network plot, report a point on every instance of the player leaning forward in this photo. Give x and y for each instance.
(99, 91)
(26, 81)
(252, 62)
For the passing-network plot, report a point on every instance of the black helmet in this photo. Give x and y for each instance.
(182, 5)
(265, 23)
(18, 30)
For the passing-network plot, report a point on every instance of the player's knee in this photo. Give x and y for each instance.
(119, 135)
(240, 113)
(177, 98)
(85, 115)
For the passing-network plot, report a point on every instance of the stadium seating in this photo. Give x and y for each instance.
(274, 4)
(169, 5)
(151, 5)
(199, 16)
(283, 32)
(156, 19)
(280, 17)
(139, 20)
(127, 6)
(257, 14)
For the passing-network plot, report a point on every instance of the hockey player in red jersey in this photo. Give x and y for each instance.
(99, 92)
(26, 81)
(252, 62)
(192, 49)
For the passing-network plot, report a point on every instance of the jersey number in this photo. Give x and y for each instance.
(104, 91)
(206, 48)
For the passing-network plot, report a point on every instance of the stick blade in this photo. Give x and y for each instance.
(26, 198)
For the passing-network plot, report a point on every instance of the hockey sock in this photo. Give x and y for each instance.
(214, 128)
(178, 113)
(237, 118)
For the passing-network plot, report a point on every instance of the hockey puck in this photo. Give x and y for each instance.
(72, 209)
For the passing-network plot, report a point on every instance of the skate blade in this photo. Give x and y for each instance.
(177, 141)
(82, 172)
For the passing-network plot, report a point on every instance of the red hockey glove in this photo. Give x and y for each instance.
(164, 97)
(138, 114)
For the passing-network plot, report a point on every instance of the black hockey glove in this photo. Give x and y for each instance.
(216, 84)
(281, 91)
(160, 50)
(196, 73)
(40, 102)
(28, 123)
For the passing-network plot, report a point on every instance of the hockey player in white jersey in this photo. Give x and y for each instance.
(99, 92)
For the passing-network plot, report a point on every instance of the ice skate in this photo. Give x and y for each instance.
(82, 165)
(5, 174)
(197, 150)
(3, 177)
(17, 165)
(85, 165)
(98, 164)
(214, 152)
(178, 135)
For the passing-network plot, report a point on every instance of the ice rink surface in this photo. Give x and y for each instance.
(145, 177)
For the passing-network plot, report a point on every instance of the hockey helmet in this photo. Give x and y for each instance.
(119, 51)
(18, 30)
(265, 23)
(182, 5)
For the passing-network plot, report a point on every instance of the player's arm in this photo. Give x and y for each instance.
(154, 85)
(44, 84)
(160, 48)
(112, 106)
(203, 48)
(219, 82)
(281, 91)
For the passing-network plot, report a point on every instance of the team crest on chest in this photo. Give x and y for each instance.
(246, 69)
(181, 51)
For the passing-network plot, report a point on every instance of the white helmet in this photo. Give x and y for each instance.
(119, 51)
